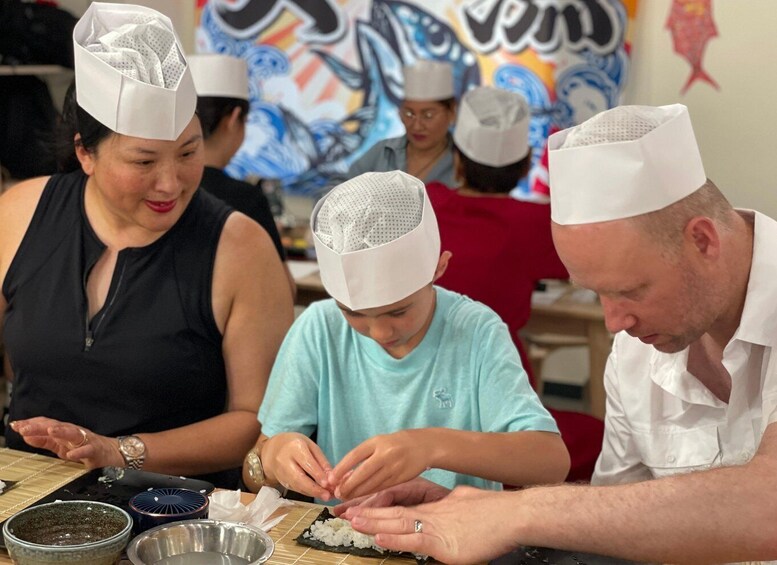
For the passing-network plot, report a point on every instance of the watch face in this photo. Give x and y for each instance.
(133, 446)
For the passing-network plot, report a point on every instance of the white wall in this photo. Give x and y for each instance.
(736, 126)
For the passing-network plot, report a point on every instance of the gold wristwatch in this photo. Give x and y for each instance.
(133, 450)
(254, 467)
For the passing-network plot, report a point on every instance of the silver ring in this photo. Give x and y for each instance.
(418, 527)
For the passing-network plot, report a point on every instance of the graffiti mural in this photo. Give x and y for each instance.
(326, 75)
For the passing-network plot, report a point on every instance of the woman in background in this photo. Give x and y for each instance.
(141, 316)
(428, 111)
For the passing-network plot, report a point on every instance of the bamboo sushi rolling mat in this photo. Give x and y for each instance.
(37, 476)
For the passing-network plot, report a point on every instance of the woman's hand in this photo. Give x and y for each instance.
(297, 463)
(70, 442)
(381, 462)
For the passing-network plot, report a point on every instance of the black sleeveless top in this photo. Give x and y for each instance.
(150, 359)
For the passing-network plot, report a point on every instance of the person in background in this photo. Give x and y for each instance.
(396, 376)
(222, 107)
(687, 284)
(502, 246)
(141, 316)
(428, 111)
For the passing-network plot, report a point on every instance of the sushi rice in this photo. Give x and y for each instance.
(338, 532)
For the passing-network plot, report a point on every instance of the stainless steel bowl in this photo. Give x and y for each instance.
(206, 542)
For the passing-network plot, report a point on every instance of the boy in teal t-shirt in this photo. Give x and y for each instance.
(397, 377)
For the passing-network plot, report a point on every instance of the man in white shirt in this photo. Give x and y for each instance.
(689, 285)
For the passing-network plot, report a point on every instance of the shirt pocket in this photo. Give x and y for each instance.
(674, 451)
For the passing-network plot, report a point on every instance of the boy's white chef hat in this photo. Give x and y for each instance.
(428, 80)
(222, 76)
(376, 239)
(492, 127)
(623, 162)
(131, 73)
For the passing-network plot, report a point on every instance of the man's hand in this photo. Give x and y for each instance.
(460, 528)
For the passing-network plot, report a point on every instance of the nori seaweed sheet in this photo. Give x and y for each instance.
(360, 551)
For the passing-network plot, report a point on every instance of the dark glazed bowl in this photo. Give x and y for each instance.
(74, 531)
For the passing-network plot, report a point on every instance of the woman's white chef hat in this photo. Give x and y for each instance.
(131, 73)
(428, 80)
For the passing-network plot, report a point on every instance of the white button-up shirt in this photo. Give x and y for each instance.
(661, 420)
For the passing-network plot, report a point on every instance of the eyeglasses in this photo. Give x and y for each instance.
(426, 116)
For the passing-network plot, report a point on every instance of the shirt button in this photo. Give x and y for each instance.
(671, 458)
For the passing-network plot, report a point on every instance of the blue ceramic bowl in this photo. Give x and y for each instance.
(158, 506)
(73, 531)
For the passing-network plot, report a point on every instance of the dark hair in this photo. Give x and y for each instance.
(485, 178)
(76, 120)
(212, 109)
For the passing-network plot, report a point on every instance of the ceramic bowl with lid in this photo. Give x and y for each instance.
(154, 507)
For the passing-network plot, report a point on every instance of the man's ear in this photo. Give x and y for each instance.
(442, 265)
(84, 156)
(702, 234)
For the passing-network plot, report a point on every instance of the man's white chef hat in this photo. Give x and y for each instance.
(131, 74)
(376, 239)
(492, 127)
(428, 80)
(623, 162)
(222, 76)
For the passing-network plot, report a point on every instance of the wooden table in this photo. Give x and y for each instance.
(289, 552)
(566, 316)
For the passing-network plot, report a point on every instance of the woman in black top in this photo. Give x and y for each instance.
(140, 315)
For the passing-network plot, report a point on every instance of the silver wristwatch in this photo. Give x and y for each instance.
(133, 450)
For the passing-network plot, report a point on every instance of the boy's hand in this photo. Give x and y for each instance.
(297, 463)
(381, 462)
(413, 492)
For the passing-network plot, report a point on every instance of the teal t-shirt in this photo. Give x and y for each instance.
(465, 374)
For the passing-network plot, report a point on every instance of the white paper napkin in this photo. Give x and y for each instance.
(226, 505)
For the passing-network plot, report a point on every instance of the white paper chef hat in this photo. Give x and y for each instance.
(131, 74)
(376, 239)
(623, 162)
(223, 76)
(428, 80)
(492, 127)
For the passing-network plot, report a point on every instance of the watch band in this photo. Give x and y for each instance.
(255, 468)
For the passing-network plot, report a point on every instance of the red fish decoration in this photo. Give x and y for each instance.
(692, 26)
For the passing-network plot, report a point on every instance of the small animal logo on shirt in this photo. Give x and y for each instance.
(445, 399)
